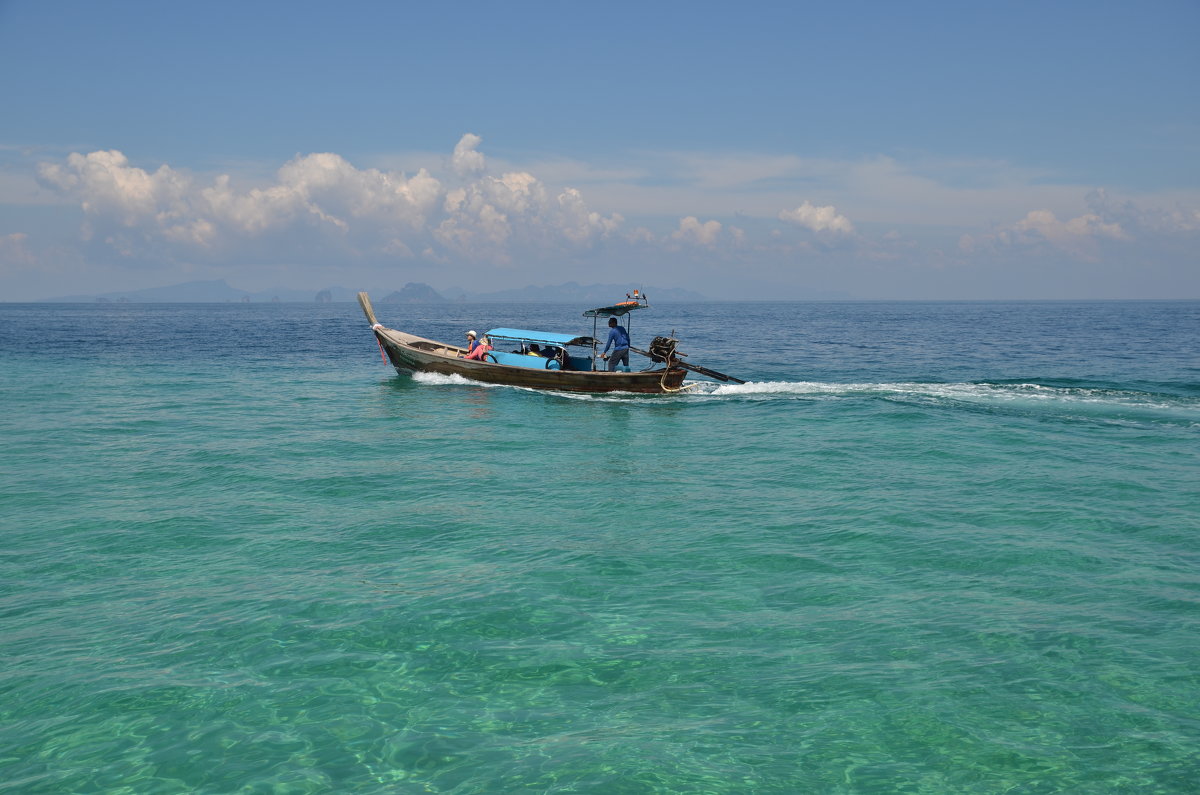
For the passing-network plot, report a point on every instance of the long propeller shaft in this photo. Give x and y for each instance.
(695, 368)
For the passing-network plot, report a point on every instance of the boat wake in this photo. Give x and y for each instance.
(1015, 396)
(962, 391)
(1086, 401)
(437, 379)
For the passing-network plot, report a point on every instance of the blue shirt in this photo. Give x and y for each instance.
(618, 335)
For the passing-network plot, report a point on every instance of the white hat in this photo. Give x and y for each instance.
(471, 334)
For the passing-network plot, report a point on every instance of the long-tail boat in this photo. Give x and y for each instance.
(543, 359)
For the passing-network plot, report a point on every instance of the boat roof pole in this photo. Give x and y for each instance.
(595, 321)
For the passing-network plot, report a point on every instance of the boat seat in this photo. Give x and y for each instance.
(580, 363)
(522, 360)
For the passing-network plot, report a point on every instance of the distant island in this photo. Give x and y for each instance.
(598, 294)
(414, 293)
(218, 291)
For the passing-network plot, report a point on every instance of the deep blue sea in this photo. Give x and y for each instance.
(929, 548)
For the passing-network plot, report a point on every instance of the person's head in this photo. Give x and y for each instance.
(471, 335)
(612, 322)
(484, 341)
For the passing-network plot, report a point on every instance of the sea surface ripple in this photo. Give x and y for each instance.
(927, 548)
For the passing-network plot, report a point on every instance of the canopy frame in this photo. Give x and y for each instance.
(527, 337)
(622, 309)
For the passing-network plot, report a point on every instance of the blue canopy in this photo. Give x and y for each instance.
(539, 337)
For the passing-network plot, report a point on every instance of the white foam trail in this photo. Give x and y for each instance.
(771, 388)
(980, 393)
(977, 392)
(437, 379)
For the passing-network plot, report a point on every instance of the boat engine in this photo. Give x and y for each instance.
(662, 349)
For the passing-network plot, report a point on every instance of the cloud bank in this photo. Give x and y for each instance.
(320, 206)
(322, 212)
(322, 198)
(1108, 228)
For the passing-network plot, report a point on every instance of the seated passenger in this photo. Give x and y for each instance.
(483, 347)
(534, 350)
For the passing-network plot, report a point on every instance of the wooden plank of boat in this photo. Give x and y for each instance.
(409, 353)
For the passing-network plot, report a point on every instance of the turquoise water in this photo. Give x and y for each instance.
(929, 548)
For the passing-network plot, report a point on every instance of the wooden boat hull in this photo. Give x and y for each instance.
(409, 353)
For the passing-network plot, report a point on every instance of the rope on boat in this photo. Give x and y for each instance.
(662, 383)
(664, 347)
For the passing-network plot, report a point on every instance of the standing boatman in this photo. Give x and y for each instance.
(618, 337)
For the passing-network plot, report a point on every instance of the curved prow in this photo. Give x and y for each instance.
(365, 302)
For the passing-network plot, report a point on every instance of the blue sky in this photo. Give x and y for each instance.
(761, 150)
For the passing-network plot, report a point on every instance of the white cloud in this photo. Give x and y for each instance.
(485, 215)
(319, 209)
(870, 190)
(1081, 237)
(109, 186)
(818, 219)
(466, 161)
(701, 234)
(1090, 225)
(580, 224)
(363, 211)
